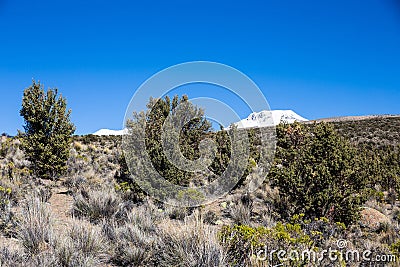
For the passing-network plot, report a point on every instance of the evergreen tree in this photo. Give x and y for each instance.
(190, 136)
(173, 129)
(48, 130)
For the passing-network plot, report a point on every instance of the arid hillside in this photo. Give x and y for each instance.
(93, 216)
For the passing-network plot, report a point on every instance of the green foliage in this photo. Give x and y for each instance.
(244, 243)
(190, 136)
(48, 130)
(382, 166)
(190, 196)
(6, 216)
(395, 248)
(149, 159)
(387, 162)
(318, 173)
(223, 154)
(124, 187)
(4, 195)
(189, 140)
(125, 183)
(4, 147)
(222, 158)
(379, 131)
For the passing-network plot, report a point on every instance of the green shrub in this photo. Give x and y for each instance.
(395, 248)
(244, 243)
(191, 135)
(318, 173)
(125, 183)
(7, 220)
(4, 146)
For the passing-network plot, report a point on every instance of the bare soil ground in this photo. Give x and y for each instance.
(61, 205)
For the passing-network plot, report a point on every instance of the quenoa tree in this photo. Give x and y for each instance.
(48, 130)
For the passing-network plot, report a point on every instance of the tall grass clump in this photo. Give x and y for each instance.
(96, 205)
(10, 257)
(84, 245)
(35, 228)
(190, 243)
(135, 246)
(136, 241)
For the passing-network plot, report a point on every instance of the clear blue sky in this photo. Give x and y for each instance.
(319, 58)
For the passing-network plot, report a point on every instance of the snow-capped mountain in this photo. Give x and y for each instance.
(109, 132)
(268, 118)
(255, 119)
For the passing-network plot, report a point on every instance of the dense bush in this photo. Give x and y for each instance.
(150, 164)
(244, 243)
(318, 173)
(191, 135)
(193, 129)
(258, 245)
(387, 164)
(125, 183)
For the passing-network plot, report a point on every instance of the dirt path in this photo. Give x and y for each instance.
(61, 205)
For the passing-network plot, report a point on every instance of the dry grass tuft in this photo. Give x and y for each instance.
(35, 228)
(190, 243)
(96, 205)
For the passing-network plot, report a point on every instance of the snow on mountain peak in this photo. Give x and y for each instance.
(109, 132)
(268, 118)
(255, 119)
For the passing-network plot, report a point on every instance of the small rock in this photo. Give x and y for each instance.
(372, 218)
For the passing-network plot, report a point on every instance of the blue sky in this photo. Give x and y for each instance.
(319, 58)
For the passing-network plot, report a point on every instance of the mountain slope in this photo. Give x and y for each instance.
(381, 130)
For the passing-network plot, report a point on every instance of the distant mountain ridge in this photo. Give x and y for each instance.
(255, 119)
(356, 118)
